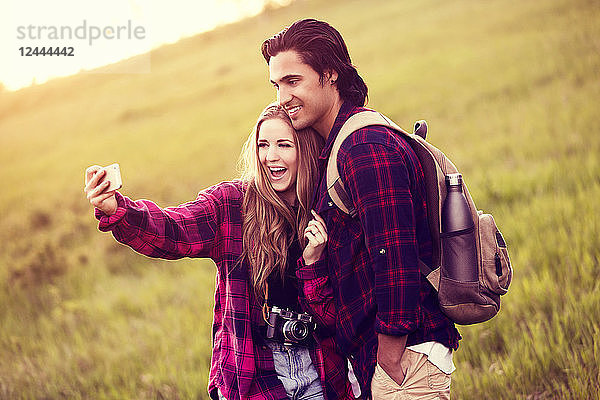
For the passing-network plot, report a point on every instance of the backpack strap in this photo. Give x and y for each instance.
(335, 186)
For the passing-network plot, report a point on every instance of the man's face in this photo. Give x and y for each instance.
(300, 93)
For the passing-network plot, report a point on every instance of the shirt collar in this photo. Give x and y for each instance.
(346, 110)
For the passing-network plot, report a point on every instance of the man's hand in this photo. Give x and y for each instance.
(96, 195)
(389, 354)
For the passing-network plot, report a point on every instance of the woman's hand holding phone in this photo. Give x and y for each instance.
(100, 186)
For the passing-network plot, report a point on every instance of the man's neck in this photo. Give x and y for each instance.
(324, 125)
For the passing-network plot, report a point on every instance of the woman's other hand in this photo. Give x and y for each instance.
(316, 234)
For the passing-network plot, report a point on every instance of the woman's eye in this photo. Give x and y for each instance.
(261, 145)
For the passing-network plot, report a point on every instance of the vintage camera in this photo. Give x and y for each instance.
(289, 326)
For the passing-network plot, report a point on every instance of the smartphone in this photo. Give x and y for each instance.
(113, 174)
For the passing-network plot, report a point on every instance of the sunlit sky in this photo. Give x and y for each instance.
(101, 32)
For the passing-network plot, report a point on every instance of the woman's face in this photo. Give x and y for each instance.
(278, 155)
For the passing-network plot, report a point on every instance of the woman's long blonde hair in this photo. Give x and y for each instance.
(268, 222)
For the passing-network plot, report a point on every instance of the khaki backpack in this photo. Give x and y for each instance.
(463, 302)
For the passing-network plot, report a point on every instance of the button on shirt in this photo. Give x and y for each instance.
(373, 264)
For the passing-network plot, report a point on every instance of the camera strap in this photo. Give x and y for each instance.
(265, 307)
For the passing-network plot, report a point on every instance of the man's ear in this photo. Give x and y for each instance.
(332, 76)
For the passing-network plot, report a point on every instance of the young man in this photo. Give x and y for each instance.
(389, 322)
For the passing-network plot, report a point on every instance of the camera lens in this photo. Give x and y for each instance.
(295, 331)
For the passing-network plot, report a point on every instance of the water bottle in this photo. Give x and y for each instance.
(458, 234)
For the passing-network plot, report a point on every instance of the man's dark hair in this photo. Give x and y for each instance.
(322, 48)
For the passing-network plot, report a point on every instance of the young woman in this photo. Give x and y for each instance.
(264, 345)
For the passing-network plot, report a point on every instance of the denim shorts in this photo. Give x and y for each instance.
(296, 371)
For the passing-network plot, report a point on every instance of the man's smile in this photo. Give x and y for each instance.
(293, 110)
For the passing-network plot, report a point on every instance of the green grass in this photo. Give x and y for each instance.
(510, 90)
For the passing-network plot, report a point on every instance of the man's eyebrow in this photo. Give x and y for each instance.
(288, 77)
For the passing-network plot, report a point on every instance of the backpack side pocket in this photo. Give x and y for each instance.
(496, 271)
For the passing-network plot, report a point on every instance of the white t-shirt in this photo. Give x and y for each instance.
(438, 354)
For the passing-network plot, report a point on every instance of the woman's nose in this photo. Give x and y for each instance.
(272, 153)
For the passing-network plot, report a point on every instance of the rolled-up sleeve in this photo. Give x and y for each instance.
(378, 183)
(187, 230)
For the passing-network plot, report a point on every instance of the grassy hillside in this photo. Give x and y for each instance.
(510, 89)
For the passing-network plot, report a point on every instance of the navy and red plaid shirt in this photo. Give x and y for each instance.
(372, 258)
(211, 226)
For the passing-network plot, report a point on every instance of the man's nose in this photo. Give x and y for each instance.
(283, 96)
